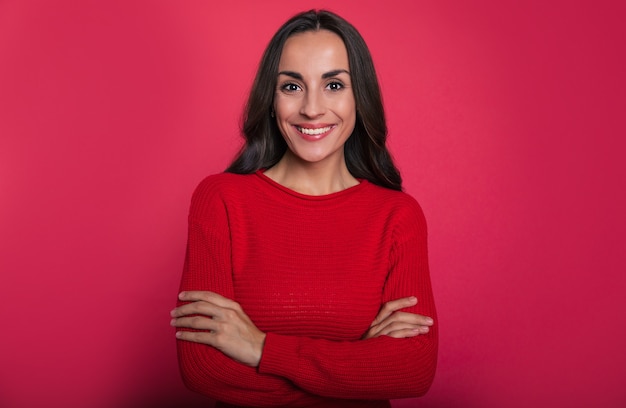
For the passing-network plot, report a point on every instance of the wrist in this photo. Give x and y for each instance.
(258, 349)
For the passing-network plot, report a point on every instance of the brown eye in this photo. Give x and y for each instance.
(290, 87)
(335, 86)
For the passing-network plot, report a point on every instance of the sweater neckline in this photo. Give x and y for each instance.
(348, 191)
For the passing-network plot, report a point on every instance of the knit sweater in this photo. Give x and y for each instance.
(312, 273)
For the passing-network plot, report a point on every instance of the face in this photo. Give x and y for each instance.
(314, 103)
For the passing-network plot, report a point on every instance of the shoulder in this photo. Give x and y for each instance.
(401, 211)
(221, 183)
(213, 191)
(395, 201)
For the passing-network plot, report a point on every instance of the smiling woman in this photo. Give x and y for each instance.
(306, 280)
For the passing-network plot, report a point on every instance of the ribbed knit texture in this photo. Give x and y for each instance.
(312, 272)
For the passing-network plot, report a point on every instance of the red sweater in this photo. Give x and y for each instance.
(312, 272)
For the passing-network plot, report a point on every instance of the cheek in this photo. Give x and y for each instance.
(347, 110)
(284, 107)
(345, 106)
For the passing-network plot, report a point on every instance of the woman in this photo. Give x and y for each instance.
(305, 260)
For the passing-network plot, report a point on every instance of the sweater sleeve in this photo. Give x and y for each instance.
(378, 368)
(207, 266)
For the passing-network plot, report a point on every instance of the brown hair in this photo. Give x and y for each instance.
(365, 150)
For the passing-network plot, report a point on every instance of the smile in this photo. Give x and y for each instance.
(313, 132)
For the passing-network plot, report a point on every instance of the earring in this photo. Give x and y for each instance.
(272, 113)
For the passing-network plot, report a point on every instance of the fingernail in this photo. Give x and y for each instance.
(173, 313)
(172, 322)
(178, 334)
(429, 321)
(181, 295)
(424, 330)
(413, 299)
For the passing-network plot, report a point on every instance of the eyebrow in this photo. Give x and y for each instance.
(336, 72)
(325, 75)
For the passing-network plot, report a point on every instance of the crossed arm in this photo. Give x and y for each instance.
(222, 323)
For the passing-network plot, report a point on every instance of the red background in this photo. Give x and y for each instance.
(506, 118)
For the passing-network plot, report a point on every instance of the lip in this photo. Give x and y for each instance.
(311, 126)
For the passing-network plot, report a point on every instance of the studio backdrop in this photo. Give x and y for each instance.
(505, 118)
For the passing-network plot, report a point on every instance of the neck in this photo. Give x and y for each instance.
(311, 178)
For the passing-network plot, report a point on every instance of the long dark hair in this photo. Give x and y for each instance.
(365, 151)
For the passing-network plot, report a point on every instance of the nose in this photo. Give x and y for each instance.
(312, 105)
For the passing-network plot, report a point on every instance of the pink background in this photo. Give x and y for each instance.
(506, 118)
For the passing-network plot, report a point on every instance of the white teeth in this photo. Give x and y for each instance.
(317, 131)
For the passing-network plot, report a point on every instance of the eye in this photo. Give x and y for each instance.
(335, 86)
(290, 87)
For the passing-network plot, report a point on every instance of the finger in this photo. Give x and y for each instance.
(208, 296)
(199, 307)
(424, 320)
(195, 322)
(375, 330)
(412, 318)
(392, 306)
(403, 334)
(395, 326)
(195, 295)
(399, 331)
(396, 318)
(196, 337)
(388, 326)
(378, 328)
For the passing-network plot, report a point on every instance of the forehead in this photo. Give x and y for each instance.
(320, 50)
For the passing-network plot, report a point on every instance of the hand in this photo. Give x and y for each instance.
(390, 322)
(223, 325)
